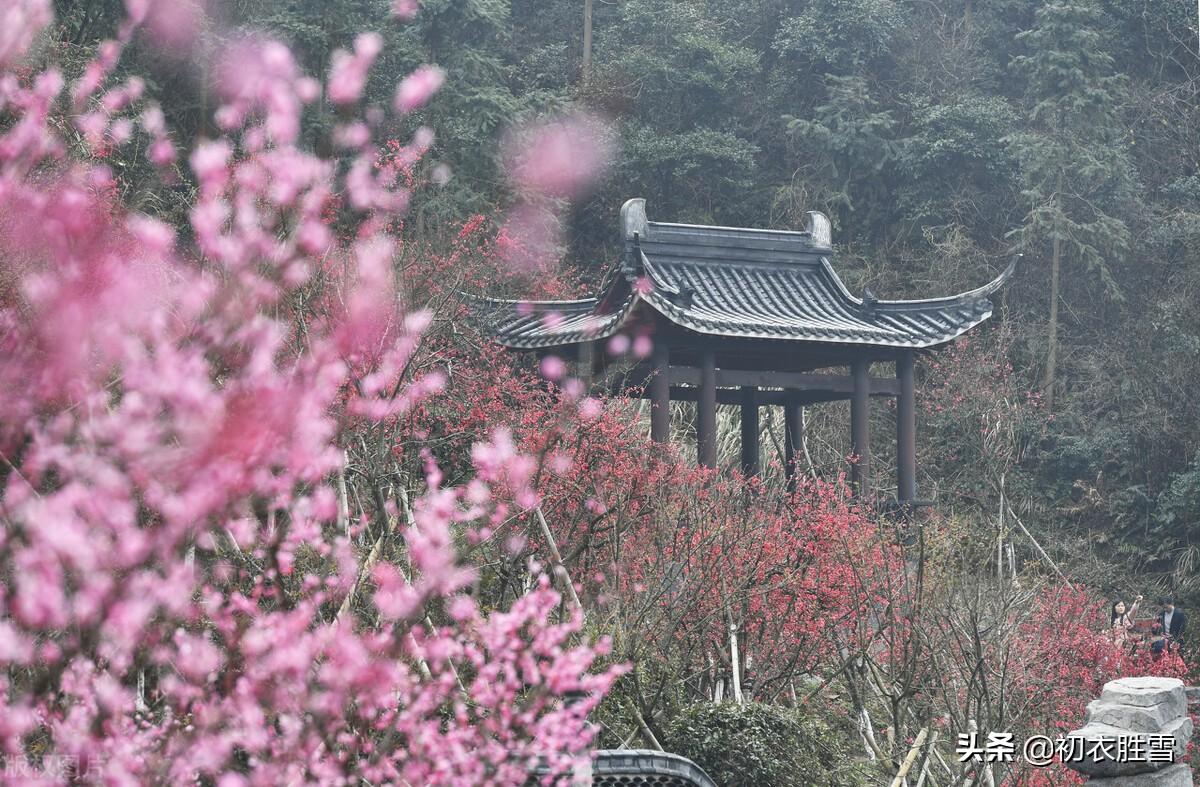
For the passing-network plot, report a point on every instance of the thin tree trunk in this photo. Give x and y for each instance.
(586, 70)
(343, 508)
(560, 570)
(647, 731)
(985, 768)
(139, 702)
(1038, 547)
(812, 468)
(928, 758)
(1052, 333)
(1000, 537)
(911, 758)
(733, 653)
(866, 731)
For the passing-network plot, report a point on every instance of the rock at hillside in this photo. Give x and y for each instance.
(1099, 765)
(1136, 718)
(1118, 730)
(1175, 776)
(1144, 692)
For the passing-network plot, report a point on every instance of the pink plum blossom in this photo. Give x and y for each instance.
(418, 87)
(559, 158)
(618, 345)
(174, 578)
(404, 9)
(531, 238)
(172, 26)
(590, 409)
(20, 23)
(643, 345)
(348, 73)
(553, 368)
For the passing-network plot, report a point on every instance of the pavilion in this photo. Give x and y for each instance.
(747, 317)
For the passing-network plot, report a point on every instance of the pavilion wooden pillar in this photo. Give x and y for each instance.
(793, 440)
(906, 431)
(749, 430)
(586, 366)
(660, 394)
(860, 427)
(706, 411)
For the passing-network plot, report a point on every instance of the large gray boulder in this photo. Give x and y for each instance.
(1129, 709)
(1147, 691)
(1098, 765)
(1137, 718)
(1175, 776)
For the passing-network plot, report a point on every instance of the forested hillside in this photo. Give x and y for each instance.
(277, 511)
(941, 137)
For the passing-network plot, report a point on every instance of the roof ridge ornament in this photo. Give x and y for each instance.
(687, 294)
(818, 228)
(639, 266)
(633, 219)
(868, 302)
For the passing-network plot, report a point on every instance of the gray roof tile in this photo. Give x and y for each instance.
(744, 283)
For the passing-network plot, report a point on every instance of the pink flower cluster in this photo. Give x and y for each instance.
(550, 161)
(172, 585)
(559, 158)
(348, 74)
(20, 22)
(418, 87)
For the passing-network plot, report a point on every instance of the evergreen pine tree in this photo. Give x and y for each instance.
(1074, 164)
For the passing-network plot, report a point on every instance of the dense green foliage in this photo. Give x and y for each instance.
(759, 744)
(942, 137)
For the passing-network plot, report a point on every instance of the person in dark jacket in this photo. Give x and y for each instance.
(1173, 622)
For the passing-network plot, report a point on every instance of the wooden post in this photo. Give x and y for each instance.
(749, 431)
(860, 428)
(793, 440)
(660, 394)
(586, 366)
(706, 411)
(906, 431)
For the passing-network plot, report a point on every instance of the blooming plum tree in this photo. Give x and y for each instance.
(174, 587)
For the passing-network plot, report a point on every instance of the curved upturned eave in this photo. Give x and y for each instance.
(613, 323)
(976, 302)
(971, 296)
(679, 317)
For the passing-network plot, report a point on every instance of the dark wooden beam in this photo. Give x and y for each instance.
(750, 465)
(782, 355)
(733, 396)
(660, 395)
(793, 439)
(860, 429)
(706, 412)
(906, 432)
(831, 386)
(796, 381)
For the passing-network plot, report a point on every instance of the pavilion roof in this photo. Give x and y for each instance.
(738, 283)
